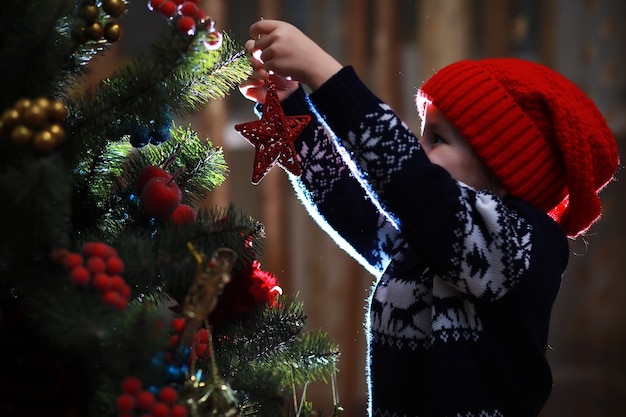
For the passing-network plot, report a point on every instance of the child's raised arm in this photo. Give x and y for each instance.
(288, 52)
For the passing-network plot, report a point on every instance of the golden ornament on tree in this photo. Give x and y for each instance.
(34, 116)
(22, 104)
(94, 31)
(10, 118)
(115, 8)
(57, 132)
(89, 13)
(112, 32)
(58, 111)
(78, 34)
(35, 120)
(21, 135)
(206, 395)
(43, 103)
(44, 141)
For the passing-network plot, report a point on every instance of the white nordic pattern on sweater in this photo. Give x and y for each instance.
(402, 312)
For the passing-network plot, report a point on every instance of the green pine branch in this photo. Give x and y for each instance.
(34, 53)
(179, 76)
(84, 191)
(268, 352)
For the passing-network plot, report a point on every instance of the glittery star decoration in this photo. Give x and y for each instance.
(273, 137)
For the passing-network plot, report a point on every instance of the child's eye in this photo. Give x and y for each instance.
(437, 139)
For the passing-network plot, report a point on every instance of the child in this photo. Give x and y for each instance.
(466, 228)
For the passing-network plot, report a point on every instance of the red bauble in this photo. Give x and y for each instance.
(72, 260)
(187, 25)
(160, 410)
(184, 214)
(125, 403)
(117, 283)
(188, 9)
(114, 265)
(96, 265)
(273, 136)
(145, 400)
(146, 174)
(201, 16)
(98, 249)
(179, 410)
(80, 276)
(168, 8)
(178, 324)
(101, 282)
(111, 298)
(168, 395)
(131, 385)
(125, 291)
(155, 4)
(160, 197)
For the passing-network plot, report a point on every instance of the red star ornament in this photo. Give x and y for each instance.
(273, 137)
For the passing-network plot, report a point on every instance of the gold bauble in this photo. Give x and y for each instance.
(57, 132)
(89, 13)
(115, 8)
(112, 32)
(57, 111)
(10, 118)
(44, 141)
(34, 116)
(78, 34)
(42, 102)
(21, 135)
(94, 31)
(22, 104)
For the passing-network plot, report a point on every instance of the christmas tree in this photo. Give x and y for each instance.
(120, 293)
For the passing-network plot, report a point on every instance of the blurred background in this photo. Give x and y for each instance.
(394, 46)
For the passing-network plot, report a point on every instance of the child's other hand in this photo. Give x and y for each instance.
(255, 87)
(289, 53)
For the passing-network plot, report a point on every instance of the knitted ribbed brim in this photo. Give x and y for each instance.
(539, 134)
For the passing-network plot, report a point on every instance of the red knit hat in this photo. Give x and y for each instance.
(543, 138)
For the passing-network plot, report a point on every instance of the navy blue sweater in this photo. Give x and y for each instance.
(459, 315)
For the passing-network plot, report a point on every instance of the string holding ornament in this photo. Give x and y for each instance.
(273, 137)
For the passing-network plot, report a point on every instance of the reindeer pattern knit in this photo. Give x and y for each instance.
(458, 317)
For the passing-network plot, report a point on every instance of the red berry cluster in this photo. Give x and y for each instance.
(161, 197)
(188, 17)
(135, 400)
(99, 267)
(200, 345)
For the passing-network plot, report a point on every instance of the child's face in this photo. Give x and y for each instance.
(444, 146)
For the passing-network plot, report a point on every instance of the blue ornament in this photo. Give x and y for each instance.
(134, 198)
(159, 134)
(175, 373)
(159, 360)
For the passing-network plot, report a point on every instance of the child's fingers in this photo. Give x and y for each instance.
(253, 54)
(262, 27)
(253, 89)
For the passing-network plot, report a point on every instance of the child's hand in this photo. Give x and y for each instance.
(255, 87)
(289, 53)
